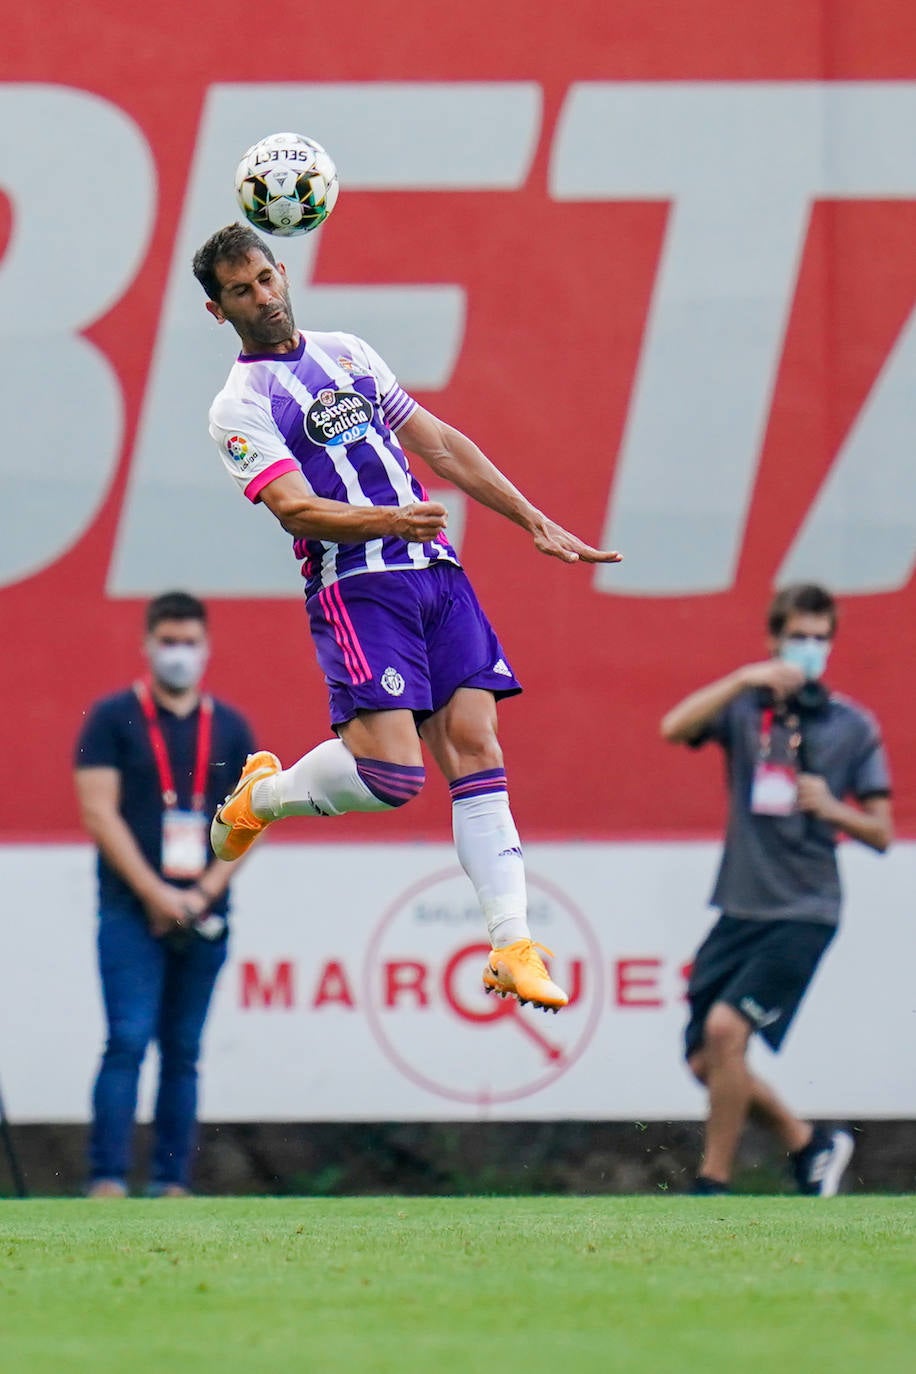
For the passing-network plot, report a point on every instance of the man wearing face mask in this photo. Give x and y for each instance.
(152, 763)
(795, 752)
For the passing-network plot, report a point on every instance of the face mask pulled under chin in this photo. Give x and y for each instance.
(810, 655)
(177, 666)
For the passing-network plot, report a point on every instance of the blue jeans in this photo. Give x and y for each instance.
(152, 991)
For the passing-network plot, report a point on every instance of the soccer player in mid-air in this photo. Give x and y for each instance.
(316, 427)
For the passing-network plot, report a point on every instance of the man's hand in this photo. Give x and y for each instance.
(420, 522)
(815, 797)
(782, 678)
(552, 539)
(169, 908)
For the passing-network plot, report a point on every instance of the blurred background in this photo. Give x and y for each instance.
(659, 260)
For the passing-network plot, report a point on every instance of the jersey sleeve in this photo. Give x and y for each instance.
(396, 405)
(250, 445)
(871, 775)
(97, 745)
(719, 730)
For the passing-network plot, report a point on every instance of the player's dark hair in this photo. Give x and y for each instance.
(174, 606)
(232, 243)
(801, 598)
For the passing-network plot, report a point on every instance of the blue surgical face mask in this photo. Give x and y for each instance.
(808, 654)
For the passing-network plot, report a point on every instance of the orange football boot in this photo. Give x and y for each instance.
(518, 970)
(235, 827)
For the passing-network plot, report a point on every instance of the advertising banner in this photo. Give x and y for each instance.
(659, 261)
(353, 991)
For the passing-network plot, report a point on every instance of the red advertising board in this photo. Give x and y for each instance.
(681, 308)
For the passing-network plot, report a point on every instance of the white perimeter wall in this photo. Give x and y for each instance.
(353, 990)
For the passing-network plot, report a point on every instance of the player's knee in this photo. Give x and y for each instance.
(725, 1031)
(127, 1042)
(393, 784)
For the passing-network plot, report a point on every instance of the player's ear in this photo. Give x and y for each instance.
(215, 311)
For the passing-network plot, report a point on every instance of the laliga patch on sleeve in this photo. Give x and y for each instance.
(240, 451)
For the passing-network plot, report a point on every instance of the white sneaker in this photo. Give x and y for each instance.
(820, 1168)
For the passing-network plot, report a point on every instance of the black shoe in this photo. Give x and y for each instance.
(708, 1187)
(820, 1166)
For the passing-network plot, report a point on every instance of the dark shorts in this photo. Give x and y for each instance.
(405, 640)
(761, 968)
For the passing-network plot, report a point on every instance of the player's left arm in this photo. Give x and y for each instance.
(457, 459)
(871, 822)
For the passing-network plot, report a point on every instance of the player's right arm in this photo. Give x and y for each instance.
(690, 717)
(98, 792)
(306, 516)
(254, 454)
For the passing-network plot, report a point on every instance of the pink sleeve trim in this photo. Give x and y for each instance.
(262, 479)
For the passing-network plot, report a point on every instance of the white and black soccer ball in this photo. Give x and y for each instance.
(286, 184)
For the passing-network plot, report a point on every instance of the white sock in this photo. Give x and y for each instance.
(490, 854)
(326, 782)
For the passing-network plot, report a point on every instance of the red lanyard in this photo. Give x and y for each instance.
(161, 753)
(766, 731)
(767, 717)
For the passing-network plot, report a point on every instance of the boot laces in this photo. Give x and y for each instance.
(527, 951)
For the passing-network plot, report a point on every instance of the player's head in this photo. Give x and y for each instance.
(231, 244)
(246, 286)
(177, 646)
(802, 622)
(801, 599)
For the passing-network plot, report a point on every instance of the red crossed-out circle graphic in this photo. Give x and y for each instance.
(429, 1013)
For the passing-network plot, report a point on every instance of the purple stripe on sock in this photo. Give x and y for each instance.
(390, 782)
(479, 784)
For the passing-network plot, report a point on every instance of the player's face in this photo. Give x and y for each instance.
(177, 652)
(255, 300)
(806, 625)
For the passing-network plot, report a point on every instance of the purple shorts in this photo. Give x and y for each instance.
(405, 640)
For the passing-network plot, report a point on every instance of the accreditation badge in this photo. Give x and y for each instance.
(185, 843)
(774, 790)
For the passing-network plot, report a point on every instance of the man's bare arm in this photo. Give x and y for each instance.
(457, 459)
(98, 792)
(871, 824)
(306, 516)
(690, 717)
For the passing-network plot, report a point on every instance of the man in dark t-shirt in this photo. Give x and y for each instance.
(795, 751)
(152, 764)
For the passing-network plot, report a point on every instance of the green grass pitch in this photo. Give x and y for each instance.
(240, 1286)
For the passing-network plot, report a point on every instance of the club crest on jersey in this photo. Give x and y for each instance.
(338, 417)
(352, 366)
(241, 452)
(392, 682)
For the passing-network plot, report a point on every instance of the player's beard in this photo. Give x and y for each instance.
(267, 332)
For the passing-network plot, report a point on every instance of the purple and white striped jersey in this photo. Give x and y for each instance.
(330, 410)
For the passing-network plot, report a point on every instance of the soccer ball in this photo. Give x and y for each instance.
(286, 184)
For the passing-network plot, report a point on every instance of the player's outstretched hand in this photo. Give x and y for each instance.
(552, 539)
(420, 522)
